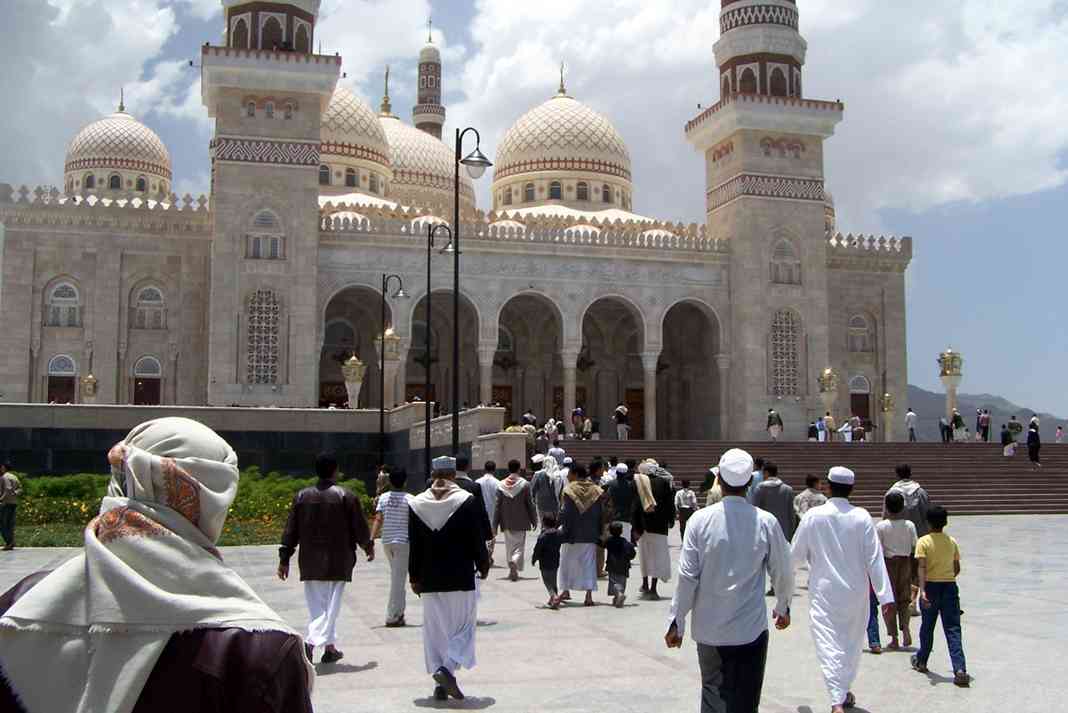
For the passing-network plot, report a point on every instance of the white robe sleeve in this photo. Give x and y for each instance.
(873, 559)
(691, 561)
(800, 545)
(780, 568)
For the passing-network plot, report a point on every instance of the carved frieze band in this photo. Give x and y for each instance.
(798, 189)
(757, 15)
(283, 153)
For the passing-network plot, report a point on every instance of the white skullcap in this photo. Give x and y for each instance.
(622, 468)
(445, 463)
(841, 475)
(736, 467)
(537, 458)
(567, 460)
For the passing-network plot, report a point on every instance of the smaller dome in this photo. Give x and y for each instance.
(423, 167)
(119, 142)
(429, 53)
(351, 128)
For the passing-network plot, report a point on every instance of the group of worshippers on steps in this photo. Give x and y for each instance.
(149, 618)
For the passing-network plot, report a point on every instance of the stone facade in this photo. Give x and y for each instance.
(698, 329)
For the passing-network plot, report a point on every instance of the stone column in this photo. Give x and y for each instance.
(389, 365)
(570, 358)
(486, 352)
(723, 361)
(649, 362)
(400, 382)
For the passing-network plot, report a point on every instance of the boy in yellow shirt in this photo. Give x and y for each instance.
(938, 557)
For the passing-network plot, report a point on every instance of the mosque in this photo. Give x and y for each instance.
(114, 290)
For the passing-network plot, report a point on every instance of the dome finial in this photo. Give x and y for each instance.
(429, 30)
(562, 91)
(122, 99)
(386, 109)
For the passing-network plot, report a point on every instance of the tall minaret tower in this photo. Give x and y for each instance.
(428, 114)
(764, 192)
(266, 91)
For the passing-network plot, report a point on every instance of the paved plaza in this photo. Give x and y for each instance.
(607, 660)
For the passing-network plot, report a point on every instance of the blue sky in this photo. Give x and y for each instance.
(954, 130)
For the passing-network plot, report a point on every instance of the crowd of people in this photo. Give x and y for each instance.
(129, 634)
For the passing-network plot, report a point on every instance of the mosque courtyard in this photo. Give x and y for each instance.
(605, 659)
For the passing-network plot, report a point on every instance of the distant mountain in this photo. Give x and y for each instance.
(930, 406)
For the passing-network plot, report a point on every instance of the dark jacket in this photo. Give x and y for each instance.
(662, 518)
(1033, 438)
(619, 553)
(1006, 437)
(622, 494)
(586, 527)
(326, 523)
(209, 671)
(547, 550)
(475, 489)
(516, 514)
(446, 560)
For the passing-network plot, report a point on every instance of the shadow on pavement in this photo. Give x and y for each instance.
(468, 704)
(336, 668)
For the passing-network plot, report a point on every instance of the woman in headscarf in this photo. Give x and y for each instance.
(148, 617)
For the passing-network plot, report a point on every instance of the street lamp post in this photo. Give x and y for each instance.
(431, 233)
(399, 294)
(476, 164)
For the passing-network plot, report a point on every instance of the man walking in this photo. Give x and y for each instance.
(622, 422)
(447, 547)
(10, 490)
(840, 545)
(465, 482)
(583, 517)
(327, 524)
(654, 516)
(391, 523)
(774, 424)
(727, 551)
(911, 420)
(809, 498)
(622, 494)
(489, 485)
(685, 506)
(515, 514)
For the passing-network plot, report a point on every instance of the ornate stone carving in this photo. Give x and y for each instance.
(89, 389)
(264, 317)
(785, 354)
(285, 153)
(757, 15)
(353, 370)
(783, 147)
(950, 363)
(782, 187)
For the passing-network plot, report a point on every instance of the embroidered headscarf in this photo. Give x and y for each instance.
(149, 569)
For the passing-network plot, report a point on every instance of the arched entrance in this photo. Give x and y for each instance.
(62, 380)
(440, 361)
(353, 320)
(688, 388)
(860, 399)
(527, 369)
(609, 367)
(147, 377)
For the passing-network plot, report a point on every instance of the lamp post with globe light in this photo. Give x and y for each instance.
(431, 233)
(476, 164)
(382, 352)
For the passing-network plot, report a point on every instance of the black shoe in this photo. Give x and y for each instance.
(396, 624)
(446, 680)
(332, 656)
(917, 666)
(440, 694)
(962, 680)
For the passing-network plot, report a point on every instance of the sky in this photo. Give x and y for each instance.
(954, 132)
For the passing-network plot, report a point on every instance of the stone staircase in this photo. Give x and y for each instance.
(968, 479)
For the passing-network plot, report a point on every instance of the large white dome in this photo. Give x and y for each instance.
(560, 135)
(351, 128)
(423, 167)
(119, 142)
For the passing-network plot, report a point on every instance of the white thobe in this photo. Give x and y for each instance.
(324, 604)
(578, 567)
(449, 620)
(841, 546)
(654, 556)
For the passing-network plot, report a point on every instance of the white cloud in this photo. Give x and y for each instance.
(954, 101)
(203, 9)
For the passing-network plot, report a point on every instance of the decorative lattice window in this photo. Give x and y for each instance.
(264, 317)
(148, 367)
(149, 310)
(62, 365)
(785, 354)
(860, 334)
(785, 264)
(63, 307)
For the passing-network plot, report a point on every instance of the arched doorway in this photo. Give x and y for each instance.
(860, 399)
(440, 361)
(353, 320)
(687, 388)
(527, 369)
(62, 380)
(609, 367)
(147, 377)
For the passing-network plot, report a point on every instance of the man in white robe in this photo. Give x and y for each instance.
(840, 544)
(447, 548)
(489, 484)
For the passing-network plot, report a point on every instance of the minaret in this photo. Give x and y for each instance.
(428, 114)
(764, 192)
(264, 330)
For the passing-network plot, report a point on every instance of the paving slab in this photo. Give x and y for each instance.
(1015, 569)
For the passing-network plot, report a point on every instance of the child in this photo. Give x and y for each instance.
(939, 565)
(898, 538)
(547, 556)
(620, 553)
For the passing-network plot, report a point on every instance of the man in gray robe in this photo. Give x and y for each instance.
(777, 498)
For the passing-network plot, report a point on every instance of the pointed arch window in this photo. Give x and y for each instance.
(606, 193)
(785, 264)
(149, 309)
(63, 308)
(266, 237)
(350, 177)
(555, 191)
(289, 110)
(250, 109)
(264, 317)
(528, 193)
(115, 182)
(374, 183)
(271, 34)
(240, 35)
(90, 181)
(142, 184)
(268, 109)
(324, 175)
(861, 336)
(582, 191)
(777, 83)
(747, 84)
(785, 356)
(508, 196)
(303, 43)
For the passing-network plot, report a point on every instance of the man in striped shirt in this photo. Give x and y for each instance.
(391, 522)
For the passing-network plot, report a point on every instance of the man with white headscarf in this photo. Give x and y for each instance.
(447, 548)
(148, 617)
(543, 484)
(653, 518)
(841, 546)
